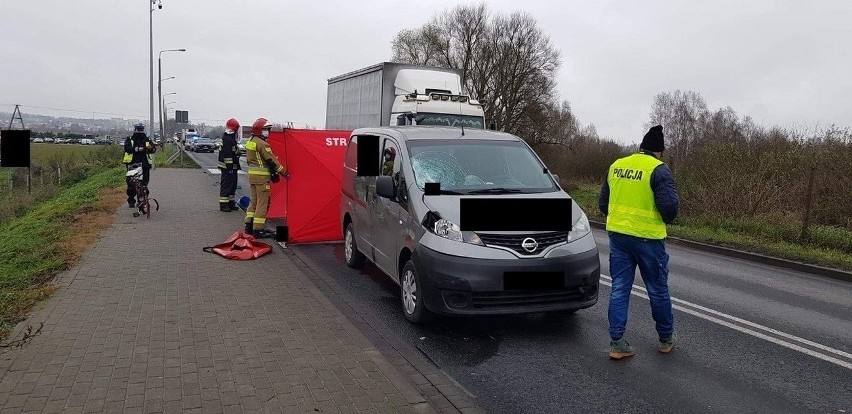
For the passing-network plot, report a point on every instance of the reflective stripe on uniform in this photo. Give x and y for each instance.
(259, 220)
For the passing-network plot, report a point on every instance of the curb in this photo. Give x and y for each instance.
(828, 272)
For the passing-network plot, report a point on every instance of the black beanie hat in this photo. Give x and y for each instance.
(653, 140)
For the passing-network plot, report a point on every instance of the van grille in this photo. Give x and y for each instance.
(508, 299)
(513, 241)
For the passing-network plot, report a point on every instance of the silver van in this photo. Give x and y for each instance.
(397, 221)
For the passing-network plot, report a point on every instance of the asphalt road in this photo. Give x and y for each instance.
(752, 338)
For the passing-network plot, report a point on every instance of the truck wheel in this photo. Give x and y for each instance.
(354, 258)
(411, 294)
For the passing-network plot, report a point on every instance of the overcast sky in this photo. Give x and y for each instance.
(781, 62)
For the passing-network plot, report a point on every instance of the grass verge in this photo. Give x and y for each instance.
(826, 246)
(49, 238)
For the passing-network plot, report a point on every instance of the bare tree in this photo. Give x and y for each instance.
(417, 46)
(681, 114)
(506, 61)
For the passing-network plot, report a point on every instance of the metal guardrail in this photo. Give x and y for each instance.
(836, 274)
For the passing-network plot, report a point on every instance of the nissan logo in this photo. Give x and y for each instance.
(529, 244)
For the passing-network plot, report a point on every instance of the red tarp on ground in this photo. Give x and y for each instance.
(310, 199)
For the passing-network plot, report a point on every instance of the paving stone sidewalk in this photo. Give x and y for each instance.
(147, 322)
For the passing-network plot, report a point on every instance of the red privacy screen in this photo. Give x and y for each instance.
(310, 198)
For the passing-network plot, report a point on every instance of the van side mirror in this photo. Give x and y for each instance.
(556, 177)
(492, 125)
(400, 120)
(384, 186)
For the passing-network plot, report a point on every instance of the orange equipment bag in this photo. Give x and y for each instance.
(240, 246)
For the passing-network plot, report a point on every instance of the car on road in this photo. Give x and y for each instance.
(415, 238)
(187, 143)
(241, 146)
(203, 145)
(38, 140)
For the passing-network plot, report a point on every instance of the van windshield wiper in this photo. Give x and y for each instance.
(496, 190)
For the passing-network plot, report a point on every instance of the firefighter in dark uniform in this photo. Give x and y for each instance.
(229, 164)
(137, 150)
(263, 169)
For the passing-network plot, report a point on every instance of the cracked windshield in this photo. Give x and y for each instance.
(474, 167)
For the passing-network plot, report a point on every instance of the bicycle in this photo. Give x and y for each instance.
(143, 199)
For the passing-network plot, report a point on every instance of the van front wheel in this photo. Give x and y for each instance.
(354, 258)
(411, 294)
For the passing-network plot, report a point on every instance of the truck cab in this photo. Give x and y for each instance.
(395, 94)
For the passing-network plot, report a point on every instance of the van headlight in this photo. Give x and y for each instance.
(449, 230)
(580, 229)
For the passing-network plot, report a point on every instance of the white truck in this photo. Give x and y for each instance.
(389, 94)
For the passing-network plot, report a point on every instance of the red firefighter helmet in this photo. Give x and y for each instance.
(260, 125)
(232, 125)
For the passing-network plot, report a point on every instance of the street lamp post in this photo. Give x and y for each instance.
(160, 82)
(164, 117)
(151, 76)
(160, 102)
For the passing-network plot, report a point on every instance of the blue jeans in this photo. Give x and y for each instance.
(626, 252)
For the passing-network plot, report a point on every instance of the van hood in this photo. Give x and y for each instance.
(448, 206)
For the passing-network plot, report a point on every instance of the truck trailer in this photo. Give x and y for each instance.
(388, 94)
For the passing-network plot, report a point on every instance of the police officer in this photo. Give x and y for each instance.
(263, 168)
(137, 150)
(639, 198)
(229, 164)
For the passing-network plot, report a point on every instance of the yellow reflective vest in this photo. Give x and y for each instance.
(258, 152)
(632, 209)
(128, 156)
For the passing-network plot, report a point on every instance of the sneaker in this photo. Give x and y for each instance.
(620, 349)
(667, 344)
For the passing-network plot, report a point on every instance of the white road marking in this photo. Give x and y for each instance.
(698, 309)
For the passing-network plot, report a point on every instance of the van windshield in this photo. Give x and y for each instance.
(478, 166)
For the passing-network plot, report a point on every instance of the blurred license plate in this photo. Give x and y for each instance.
(533, 280)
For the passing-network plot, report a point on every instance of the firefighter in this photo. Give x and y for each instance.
(263, 168)
(229, 164)
(137, 150)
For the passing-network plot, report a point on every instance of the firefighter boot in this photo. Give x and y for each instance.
(233, 205)
(224, 207)
(249, 229)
